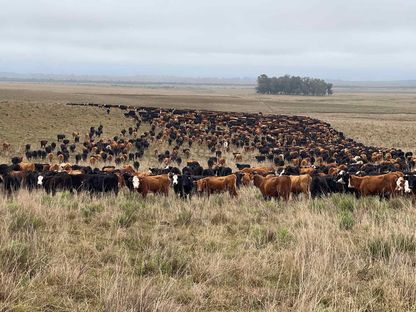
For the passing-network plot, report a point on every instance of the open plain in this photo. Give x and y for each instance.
(76, 252)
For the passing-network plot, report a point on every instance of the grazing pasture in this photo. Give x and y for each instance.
(93, 251)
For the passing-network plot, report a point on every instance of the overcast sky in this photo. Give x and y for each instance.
(337, 39)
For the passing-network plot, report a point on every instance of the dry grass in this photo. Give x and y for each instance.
(386, 119)
(74, 252)
(125, 254)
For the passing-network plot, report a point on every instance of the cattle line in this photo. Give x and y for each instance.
(319, 159)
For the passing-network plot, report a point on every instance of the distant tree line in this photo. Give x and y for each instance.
(293, 85)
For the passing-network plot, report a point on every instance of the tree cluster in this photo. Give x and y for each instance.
(293, 85)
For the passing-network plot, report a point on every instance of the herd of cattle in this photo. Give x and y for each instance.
(292, 155)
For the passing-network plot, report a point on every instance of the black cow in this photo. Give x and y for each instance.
(290, 170)
(183, 185)
(31, 180)
(208, 172)
(194, 170)
(4, 169)
(136, 165)
(100, 183)
(53, 182)
(60, 137)
(43, 143)
(169, 169)
(242, 166)
(10, 184)
(223, 171)
(325, 185)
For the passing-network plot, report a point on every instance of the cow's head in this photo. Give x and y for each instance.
(175, 179)
(342, 177)
(401, 185)
(409, 183)
(40, 180)
(136, 182)
(200, 185)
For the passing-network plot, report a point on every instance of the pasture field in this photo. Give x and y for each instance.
(379, 119)
(107, 253)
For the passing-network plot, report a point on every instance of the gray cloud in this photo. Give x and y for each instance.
(343, 39)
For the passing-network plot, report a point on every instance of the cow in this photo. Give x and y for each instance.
(237, 156)
(273, 187)
(136, 165)
(242, 166)
(223, 171)
(212, 185)
(60, 137)
(183, 185)
(300, 184)
(168, 169)
(325, 185)
(27, 166)
(6, 146)
(158, 184)
(384, 185)
(10, 183)
(258, 170)
(53, 182)
(260, 158)
(100, 183)
(243, 179)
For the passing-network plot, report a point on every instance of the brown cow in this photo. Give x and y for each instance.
(27, 166)
(51, 156)
(155, 184)
(6, 146)
(93, 160)
(273, 187)
(217, 185)
(246, 179)
(259, 170)
(306, 170)
(300, 184)
(388, 184)
(237, 157)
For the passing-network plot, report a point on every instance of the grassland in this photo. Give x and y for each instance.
(74, 252)
(385, 118)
